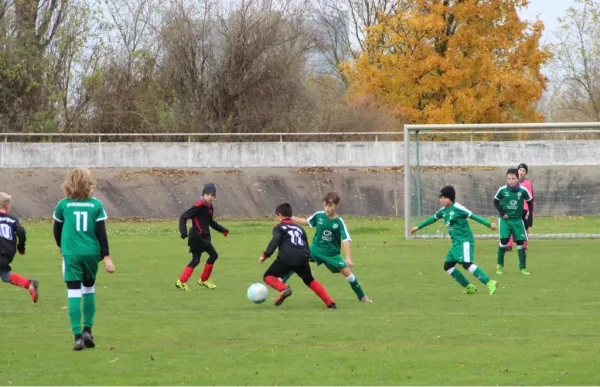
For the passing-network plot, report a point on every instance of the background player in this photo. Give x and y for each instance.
(463, 243)
(331, 233)
(80, 233)
(12, 240)
(527, 206)
(293, 255)
(199, 240)
(509, 201)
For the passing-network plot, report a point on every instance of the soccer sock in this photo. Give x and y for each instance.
(275, 283)
(89, 305)
(187, 273)
(75, 310)
(19, 280)
(501, 252)
(458, 276)
(206, 272)
(479, 274)
(321, 292)
(522, 257)
(287, 277)
(355, 285)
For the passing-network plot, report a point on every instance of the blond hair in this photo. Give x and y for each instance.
(78, 184)
(5, 200)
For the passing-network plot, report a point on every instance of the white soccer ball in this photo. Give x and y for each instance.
(258, 293)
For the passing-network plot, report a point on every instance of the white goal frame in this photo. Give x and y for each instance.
(568, 127)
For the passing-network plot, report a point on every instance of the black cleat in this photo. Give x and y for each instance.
(88, 339)
(79, 344)
(283, 295)
(332, 306)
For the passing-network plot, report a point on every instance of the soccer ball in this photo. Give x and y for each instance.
(258, 293)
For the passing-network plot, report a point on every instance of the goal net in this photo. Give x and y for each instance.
(564, 168)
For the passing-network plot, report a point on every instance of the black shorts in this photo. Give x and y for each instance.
(280, 268)
(5, 264)
(200, 246)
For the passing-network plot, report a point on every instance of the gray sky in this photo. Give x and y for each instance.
(548, 11)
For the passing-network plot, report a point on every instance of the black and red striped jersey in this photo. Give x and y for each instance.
(201, 215)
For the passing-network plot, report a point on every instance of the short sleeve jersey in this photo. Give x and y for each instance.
(330, 233)
(455, 217)
(512, 201)
(79, 218)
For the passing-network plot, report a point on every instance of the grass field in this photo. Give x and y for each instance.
(421, 330)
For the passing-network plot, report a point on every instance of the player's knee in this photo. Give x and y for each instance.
(467, 265)
(520, 244)
(448, 265)
(88, 283)
(5, 276)
(351, 278)
(194, 262)
(212, 258)
(74, 285)
(504, 242)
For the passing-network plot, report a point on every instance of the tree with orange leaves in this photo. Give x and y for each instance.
(453, 61)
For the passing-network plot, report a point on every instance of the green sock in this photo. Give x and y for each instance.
(75, 314)
(522, 258)
(89, 309)
(460, 278)
(479, 274)
(501, 252)
(287, 277)
(355, 285)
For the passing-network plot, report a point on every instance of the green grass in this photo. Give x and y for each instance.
(421, 330)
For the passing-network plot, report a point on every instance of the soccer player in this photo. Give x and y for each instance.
(80, 233)
(293, 255)
(330, 234)
(463, 244)
(12, 240)
(199, 240)
(527, 206)
(509, 201)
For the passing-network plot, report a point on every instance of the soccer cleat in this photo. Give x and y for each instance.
(33, 290)
(470, 289)
(332, 306)
(525, 272)
(88, 339)
(492, 286)
(366, 299)
(208, 284)
(499, 269)
(182, 286)
(283, 295)
(79, 344)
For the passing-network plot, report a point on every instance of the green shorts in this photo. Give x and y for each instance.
(78, 267)
(516, 227)
(333, 262)
(461, 252)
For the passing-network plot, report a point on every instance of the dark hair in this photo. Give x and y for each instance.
(331, 197)
(513, 171)
(284, 209)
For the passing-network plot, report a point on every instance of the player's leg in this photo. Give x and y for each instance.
(271, 277)
(520, 241)
(468, 256)
(208, 267)
(504, 234)
(88, 293)
(449, 267)
(16, 279)
(354, 284)
(305, 273)
(189, 269)
(509, 246)
(73, 275)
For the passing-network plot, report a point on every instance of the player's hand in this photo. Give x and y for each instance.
(527, 215)
(493, 226)
(414, 230)
(21, 250)
(225, 233)
(183, 236)
(262, 258)
(505, 216)
(349, 262)
(110, 266)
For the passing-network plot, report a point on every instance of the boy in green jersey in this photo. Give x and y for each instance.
(463, 244)
(510, 201)
(330, 234)
(80, 233)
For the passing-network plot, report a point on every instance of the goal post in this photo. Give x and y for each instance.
(563, 158)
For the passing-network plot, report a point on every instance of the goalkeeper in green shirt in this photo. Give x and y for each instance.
(463, 244)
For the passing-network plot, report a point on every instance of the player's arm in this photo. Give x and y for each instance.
(427, 222)
(481, 220)
(102, 237)
(58, 222)
(273, 244)
(21, 237)
(311, 221)
(213, 223)
(188, 214)
(529, 200)
(498, 205)
(300, 221)
(346, 240)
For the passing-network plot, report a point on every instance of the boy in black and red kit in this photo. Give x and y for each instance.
(199, 241)
(293, 255)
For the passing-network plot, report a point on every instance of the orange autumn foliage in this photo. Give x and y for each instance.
(453, 61)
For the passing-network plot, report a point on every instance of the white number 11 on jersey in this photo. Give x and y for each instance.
(79, 217)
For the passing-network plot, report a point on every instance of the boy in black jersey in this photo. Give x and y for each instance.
(12, 240)
(293, 255)
(199, 240)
